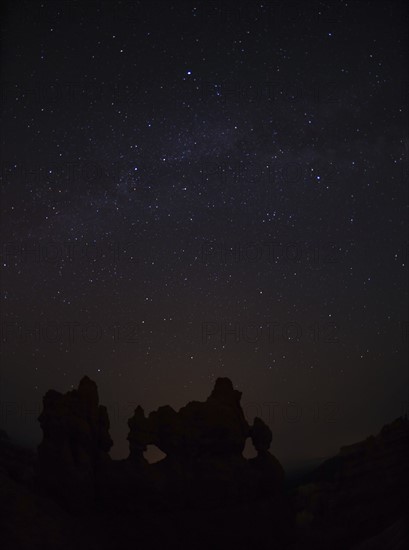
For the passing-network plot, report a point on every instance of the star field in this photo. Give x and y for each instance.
(201, 189)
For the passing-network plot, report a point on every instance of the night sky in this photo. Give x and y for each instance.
(200, 189)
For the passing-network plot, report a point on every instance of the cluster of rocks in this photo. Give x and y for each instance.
(73, 495)
(203, 443)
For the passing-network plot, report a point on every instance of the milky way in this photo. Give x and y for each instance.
(193, 190)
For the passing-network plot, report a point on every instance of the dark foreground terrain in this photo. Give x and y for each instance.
(204, 494)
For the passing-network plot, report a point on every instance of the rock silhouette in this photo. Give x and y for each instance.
(271, 473)
(75, 443)
(204, 493)
(203, 443)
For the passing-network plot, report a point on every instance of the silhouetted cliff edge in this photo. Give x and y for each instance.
(358, 494)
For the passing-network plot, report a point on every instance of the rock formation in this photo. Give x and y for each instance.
(271, 473)
(214, 427)
(204, 493)
(361, 490)
(139, 436)
(203, 443)
(75, 443)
